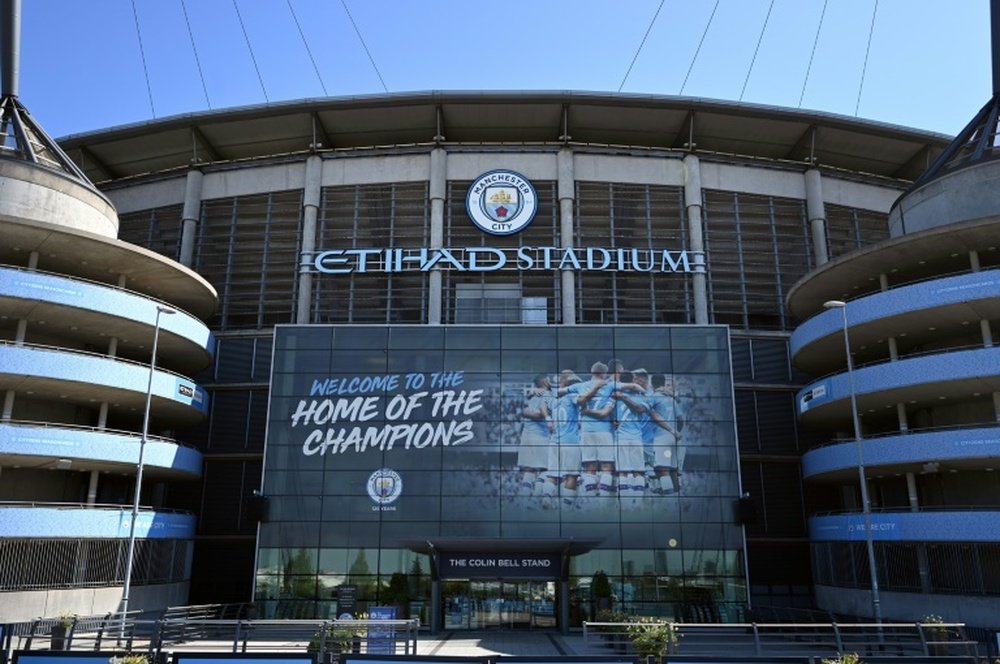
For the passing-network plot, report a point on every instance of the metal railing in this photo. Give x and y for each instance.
(123, 433)
(800, 639)
(86, 353)
(200, 628)
(190, 628)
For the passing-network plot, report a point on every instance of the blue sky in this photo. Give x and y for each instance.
(81, 70)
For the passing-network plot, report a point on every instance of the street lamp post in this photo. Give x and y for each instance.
(130, 557)
(865, 502)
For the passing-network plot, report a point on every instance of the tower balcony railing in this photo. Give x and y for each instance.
(90, 447)
(132, 312)
(931, 523)
(971, 445)
(958, 372)
(42, 520)
(56, 371)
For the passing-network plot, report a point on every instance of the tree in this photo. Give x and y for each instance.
(600, 591)
(360, 574)
(299, 577)
(397, 594)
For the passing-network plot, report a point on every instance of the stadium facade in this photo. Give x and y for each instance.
(378, 359)
(339, 234)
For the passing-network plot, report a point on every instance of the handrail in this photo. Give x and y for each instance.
(904, 509)
(107, 507)
(914, 282)
(910, 432)
(803, 640)
(93, 282)
(83, 427)
(75, 351)
(888, 361)
(325, 637)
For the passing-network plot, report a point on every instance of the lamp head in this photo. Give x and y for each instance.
(834, 304)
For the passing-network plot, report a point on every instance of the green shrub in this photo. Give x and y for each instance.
(845, 658)
(651, 636)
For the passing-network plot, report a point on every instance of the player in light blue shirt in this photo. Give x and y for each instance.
(596, 430)
(533, 452)
(633, 418)
(663, 414)
(564, 459)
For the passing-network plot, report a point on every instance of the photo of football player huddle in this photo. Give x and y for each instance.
(608, 440)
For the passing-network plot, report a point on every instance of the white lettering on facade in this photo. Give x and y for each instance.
(492, 259)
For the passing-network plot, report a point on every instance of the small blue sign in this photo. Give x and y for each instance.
(382, 638)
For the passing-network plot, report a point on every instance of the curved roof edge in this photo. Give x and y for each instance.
(617, 119)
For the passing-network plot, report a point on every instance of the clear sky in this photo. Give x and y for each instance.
(928, 63)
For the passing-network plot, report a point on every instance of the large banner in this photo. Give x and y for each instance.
(490, 431)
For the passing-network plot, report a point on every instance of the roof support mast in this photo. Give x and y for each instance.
(10, 38)
(995, 43)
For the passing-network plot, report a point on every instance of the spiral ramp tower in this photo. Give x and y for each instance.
(922, 320)
(79, 310)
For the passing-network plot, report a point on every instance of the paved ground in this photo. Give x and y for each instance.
(540, 644)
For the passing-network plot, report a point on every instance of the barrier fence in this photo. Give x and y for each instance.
(188, 631)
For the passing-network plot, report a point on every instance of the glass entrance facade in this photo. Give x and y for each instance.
(394, 454)
(499, 604)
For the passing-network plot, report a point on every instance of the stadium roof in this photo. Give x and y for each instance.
(624, 121)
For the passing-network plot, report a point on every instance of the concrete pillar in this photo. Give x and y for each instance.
(8, 397)
(923, 568)
(567, 201)
(563, 586)
(310, 212)
(438, 193)
(883, 281)
(987, 330)
(102, 413)
(92, 487)
(974, 260)
(893, 349)
(911, 492)
(904, 422)
(102, 416)
(996, 406)
(190, 215)
(437, 620)
(696, 241)
(33, 260)
(816, 211)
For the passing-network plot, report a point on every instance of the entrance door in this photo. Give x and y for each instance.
(499, 604)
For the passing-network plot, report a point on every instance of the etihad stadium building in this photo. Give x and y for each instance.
(400, 277)
(413, 288)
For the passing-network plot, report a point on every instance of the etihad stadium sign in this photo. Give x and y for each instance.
(493, 259)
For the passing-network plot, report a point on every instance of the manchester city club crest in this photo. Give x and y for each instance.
(501, 202)
(384, 486)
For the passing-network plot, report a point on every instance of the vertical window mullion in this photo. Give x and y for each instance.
(230, 253)
(739, 259)
(779, 291)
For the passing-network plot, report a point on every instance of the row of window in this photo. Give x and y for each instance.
(756, 246)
